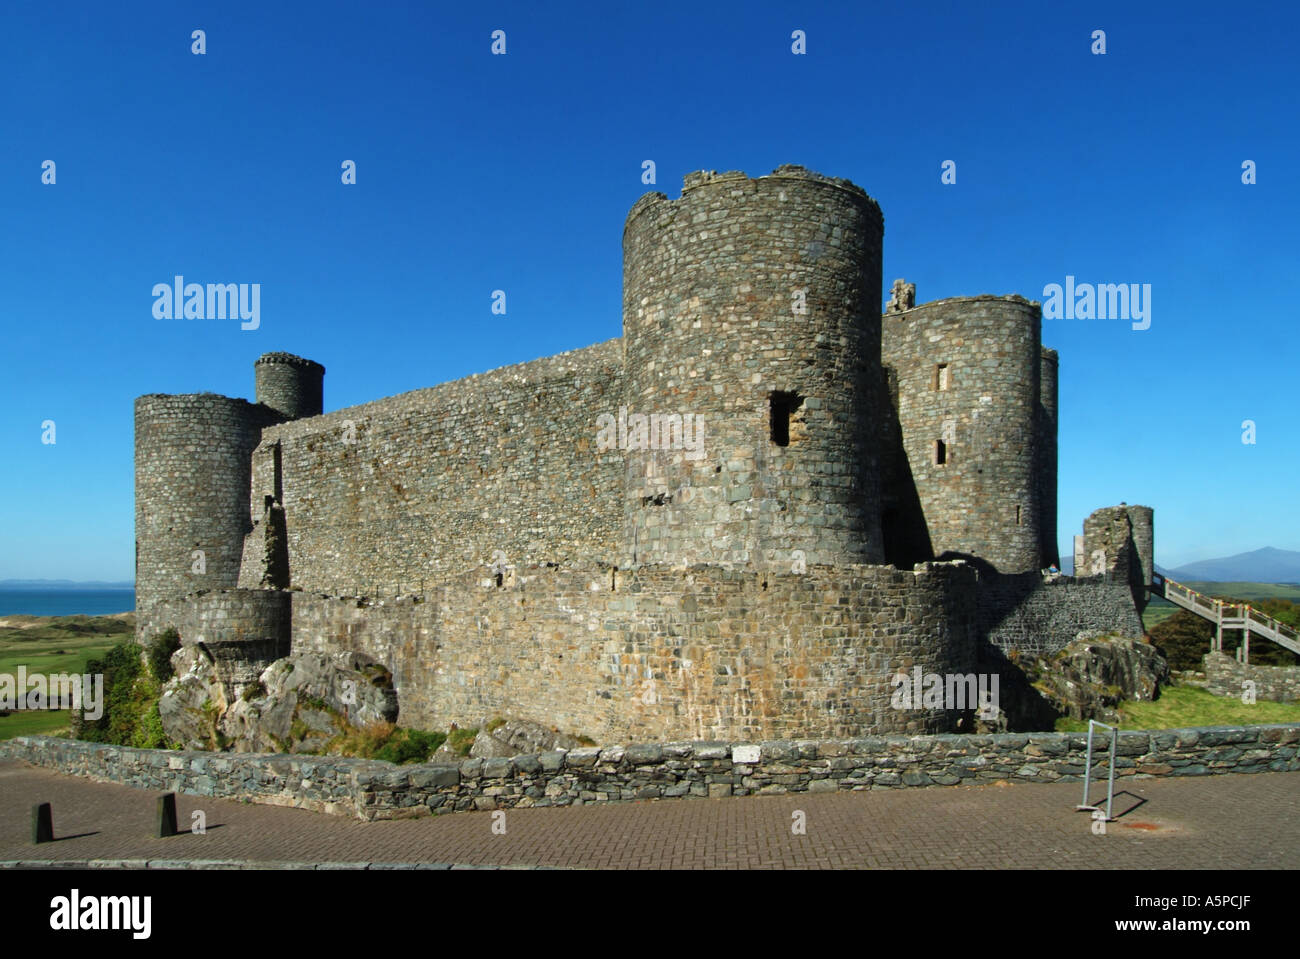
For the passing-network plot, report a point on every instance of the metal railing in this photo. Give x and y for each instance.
(1223, 615)
(1087, 772)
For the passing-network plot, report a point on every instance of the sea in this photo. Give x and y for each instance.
(66, 602)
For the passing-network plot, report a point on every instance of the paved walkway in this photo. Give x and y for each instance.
(1223, 822)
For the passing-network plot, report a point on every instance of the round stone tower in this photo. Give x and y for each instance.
(751, 327)
(290, 385)
(1047, 451)
(192, 469)
(1142, 519)
(968, 372)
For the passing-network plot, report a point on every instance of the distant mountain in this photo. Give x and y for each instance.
(1267, 565)
(62, 584)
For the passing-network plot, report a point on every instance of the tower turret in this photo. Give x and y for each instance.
(290, 385)
(751, 326)
(192, 463)
(967, 372)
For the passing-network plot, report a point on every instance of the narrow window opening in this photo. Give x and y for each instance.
(941, 376)
(1018, 515)
(940, 453)
(783, 406)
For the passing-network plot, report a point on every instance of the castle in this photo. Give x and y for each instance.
(737, 521)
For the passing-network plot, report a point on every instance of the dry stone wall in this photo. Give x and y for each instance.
(1227, 677)
(375, 790)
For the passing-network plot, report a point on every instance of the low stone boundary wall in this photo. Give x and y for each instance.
(1224, 677)
(376, 790)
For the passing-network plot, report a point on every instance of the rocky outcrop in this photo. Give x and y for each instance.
(194, 700)
(517, 737)
(1090, 677)
(299, 704)
(1086, 679)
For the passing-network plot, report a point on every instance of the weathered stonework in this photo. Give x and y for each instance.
(628, 584)
(374, 790)
(1224, 676)
(966, 373)
(639, 653)
(1040, 614)
(1118, 545)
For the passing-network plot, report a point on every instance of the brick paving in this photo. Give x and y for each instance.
(1220, 822)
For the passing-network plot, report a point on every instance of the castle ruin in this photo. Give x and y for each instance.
(737, 521)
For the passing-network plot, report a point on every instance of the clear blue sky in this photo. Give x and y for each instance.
(478, 172)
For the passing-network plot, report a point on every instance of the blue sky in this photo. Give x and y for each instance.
(478, 172)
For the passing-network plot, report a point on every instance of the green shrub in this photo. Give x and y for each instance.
(460, 740)
(120, 667)
(158, 653)
(410, 746)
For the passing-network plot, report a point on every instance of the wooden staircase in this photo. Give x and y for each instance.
(1226, 616)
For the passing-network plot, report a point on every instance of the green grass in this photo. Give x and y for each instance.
(1157, 611)
(53, 644)
(35, 722)
(461, 740)
(1180, 707)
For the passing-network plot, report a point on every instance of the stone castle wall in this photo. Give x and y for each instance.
(1031, 614)
(289, 384)
(243, 630)
(1225, 676)
(1118, 542)
(421, 485)
(700, 653)
(966, 372)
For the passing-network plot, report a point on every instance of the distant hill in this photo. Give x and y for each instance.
(1267, 565)
(62, 584)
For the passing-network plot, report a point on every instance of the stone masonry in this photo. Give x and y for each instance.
(368, 789)
(738, 520)
(1226, 677)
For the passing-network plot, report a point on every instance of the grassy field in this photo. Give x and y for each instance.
(1249, 590)
(54, 644)
(1181, 706)
(1157, 611)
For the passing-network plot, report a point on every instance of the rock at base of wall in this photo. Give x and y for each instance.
(519, 737)
(298, 704)
(193, 700)
(1090, 677)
